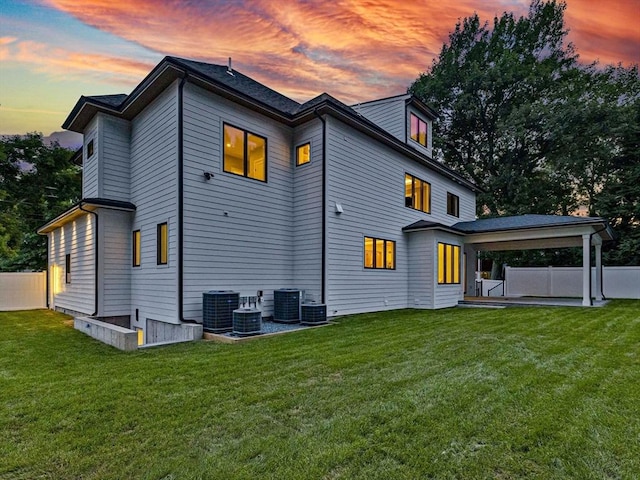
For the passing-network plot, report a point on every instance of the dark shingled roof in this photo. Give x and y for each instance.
(109, 100)
(241, 84)
(426, 225)
(523, 221)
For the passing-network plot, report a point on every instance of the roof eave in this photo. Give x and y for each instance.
(80, 208)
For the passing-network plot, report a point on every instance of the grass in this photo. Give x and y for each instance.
(549, 393)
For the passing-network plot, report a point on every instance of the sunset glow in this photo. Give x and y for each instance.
(53, 51)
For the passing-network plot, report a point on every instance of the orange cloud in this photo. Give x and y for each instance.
(608, 31)
(354, 49)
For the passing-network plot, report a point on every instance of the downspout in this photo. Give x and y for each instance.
(95, 243)
(181, 199)
(324, 206)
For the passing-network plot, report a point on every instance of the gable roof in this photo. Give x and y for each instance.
(247, 92)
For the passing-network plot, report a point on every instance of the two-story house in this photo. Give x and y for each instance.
(204, 179)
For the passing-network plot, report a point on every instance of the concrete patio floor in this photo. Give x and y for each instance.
(498, 302)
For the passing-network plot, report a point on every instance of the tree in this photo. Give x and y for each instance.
(37, 182)
(536, 130)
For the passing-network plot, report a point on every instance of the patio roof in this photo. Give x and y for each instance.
(523, 232)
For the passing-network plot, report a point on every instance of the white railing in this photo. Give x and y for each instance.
(617, 282)
(23, 290)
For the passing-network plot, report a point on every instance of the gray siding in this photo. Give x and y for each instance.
(367, 179)
(422, 263)
(114, 158)
(237, 230)
(307, 213)
(90, 165)
(115, 262)
(388, 113)
(154, 188)
(77, 239)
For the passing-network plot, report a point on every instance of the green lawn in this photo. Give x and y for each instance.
(458, 393)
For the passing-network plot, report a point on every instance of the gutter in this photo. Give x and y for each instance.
(324, 206)
(95, 254)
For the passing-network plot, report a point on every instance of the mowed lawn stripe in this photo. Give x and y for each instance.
(528, 392)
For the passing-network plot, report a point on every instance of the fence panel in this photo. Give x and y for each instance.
(23, 290)
(617, 282)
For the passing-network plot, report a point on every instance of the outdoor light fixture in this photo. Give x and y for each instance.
(208, 175)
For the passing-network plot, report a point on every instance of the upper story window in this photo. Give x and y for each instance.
(418, 130)
(417, 193)
(303, 154)
(90, 149)
(245, 153)
(453, 204)
(162, 244)
(379, 253)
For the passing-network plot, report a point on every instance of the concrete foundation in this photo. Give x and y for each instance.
(114, 335)
(162, 332)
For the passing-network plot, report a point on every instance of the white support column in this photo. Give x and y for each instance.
(586, 270)
(598, 292)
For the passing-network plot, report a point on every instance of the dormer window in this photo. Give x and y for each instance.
(418, 130)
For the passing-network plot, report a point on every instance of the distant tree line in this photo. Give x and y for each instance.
(38, 181)
(535, 129)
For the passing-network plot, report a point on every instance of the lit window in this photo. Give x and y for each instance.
(136, 248)
(245, 153)
(303, 154)
(418, 130)
(163, 244)
(417, 193)
(448, 263)
(453, 204)
(90, 149)
(379, 253)
(67, 268)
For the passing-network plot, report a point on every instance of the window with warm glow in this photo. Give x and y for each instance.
(418, 130)
(163, 244)
(448, 263)
(303, 154)
(453, 204)
(245, 153)
(417, 193)
(379, 253)
(136, 248)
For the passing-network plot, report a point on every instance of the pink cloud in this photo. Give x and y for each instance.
(60, 63)
(355, 50)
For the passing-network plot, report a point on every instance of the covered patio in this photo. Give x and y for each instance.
(529, 232)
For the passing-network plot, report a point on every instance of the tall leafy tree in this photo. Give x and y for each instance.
(492, 85)
(539, 132)
(37, 182)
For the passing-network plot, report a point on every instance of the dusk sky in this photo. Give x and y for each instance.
(54, 51)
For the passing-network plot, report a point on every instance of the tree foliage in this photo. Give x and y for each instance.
(536, 130)
(37, 182)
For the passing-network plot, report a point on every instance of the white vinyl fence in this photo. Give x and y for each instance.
(23, 290)
(617, 282)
